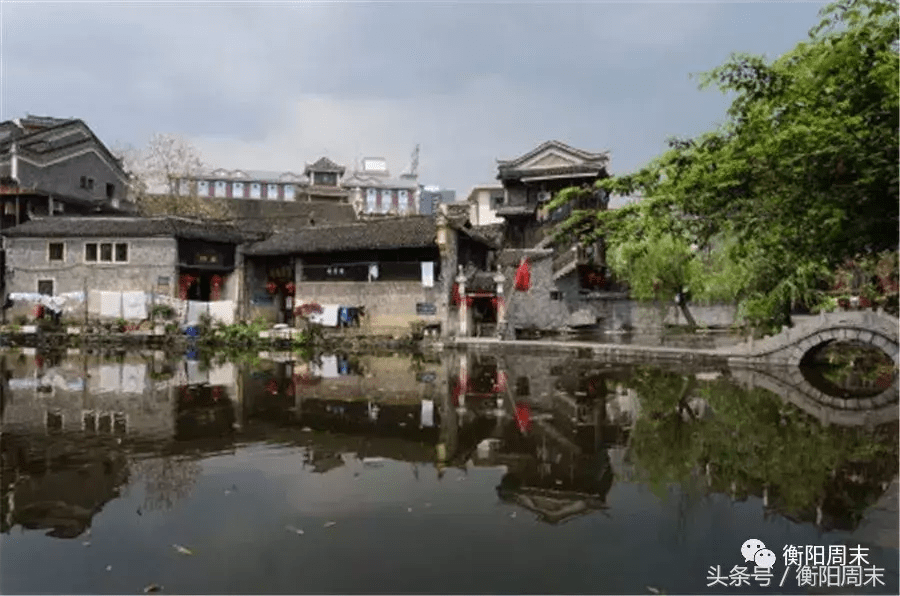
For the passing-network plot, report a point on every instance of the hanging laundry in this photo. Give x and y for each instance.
(328, 317)
(428, 274)
(111, 305)
(134, 306)
(523, 276)
(427, 418)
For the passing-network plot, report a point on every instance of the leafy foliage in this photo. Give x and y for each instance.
(802, 176)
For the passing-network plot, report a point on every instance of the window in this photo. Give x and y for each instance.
(371, 200)
(56, 251)
(555, 295)
(272, 192)
(237, 190)
(385, 201)
(90, 184)
(110, 190)
(106, 252)
(220, 188)
(121, 252)
(255, 190)
(90, 252)
(404, 202)
(288, 192)
(203, 188)
(54, 421)
(83, 183)
(45, 287)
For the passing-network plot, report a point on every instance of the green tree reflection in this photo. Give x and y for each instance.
(752, 442)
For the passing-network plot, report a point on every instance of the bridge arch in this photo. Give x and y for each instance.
(791, 346)
(793, 387)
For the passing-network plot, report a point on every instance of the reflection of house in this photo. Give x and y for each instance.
(63, 493)
(161, 255)
(51, 166)
(88, 396)
(392, 271)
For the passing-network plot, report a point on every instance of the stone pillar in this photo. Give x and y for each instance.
(463, 380)
(501, 303)
(463, 307)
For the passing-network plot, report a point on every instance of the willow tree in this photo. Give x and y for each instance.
(801, 177)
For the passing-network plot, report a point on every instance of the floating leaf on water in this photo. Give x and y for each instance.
(294, 530)
(409, 509)
(152, 588)
(653, 590)
(305, 429)
(513, 514)
(428, 504)
(329, 524)
(109, 567)
(86, 543)
(182, 550)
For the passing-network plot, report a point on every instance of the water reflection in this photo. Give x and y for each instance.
(555, 435)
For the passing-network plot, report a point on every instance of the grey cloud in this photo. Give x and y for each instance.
(273, 86)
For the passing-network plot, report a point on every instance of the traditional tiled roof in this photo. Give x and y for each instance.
(579, 162)
(249, 176)
(323, 164)
(285, 214)
(44, 140)
(493, 233)
(515, 210)
(125, 227)
(388, 233)
(368, 180)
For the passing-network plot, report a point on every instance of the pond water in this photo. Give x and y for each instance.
(392, 473)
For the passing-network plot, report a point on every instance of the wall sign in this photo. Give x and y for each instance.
(426, 308)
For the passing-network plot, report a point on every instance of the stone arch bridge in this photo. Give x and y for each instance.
(774, 364)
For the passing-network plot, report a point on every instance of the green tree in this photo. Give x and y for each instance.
(802, 176)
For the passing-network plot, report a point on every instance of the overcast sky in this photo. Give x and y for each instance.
(273, 86)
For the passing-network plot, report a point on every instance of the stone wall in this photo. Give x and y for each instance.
(390, 305)
(555, 305)
(28, 262)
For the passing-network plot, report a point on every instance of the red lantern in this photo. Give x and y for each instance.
(290, 288)
(454, 296)
(39, 311)
(272, 387)
(523, 417)
(271, 287)
(216, 286)
(185, 282)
